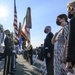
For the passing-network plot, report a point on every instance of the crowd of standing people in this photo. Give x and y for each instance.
(58, 49)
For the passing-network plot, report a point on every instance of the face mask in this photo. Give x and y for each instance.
(8, 34)
(70, 15)
(45, 31)
(58, 22)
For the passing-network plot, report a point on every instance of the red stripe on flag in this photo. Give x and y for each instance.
(15, 22)
(26, 30)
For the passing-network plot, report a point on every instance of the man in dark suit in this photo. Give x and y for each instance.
(48, 50)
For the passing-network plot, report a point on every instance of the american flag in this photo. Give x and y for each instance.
(15, 22)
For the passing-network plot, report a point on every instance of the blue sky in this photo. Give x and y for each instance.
(43, 13)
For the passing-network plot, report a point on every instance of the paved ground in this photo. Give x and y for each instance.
(1, 67)
(22, 67)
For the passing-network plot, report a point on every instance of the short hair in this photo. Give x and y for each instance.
(48, 27)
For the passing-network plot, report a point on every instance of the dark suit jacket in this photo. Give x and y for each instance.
(71, 42)
(48, 46)
(8, 46)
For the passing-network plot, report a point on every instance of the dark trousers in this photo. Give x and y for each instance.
(31, 60)
(13, 61)
(7, 65)
(49, 66)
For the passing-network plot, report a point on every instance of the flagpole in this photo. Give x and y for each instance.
(19, 31)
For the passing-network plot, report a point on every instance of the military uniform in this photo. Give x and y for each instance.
(7, 53)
